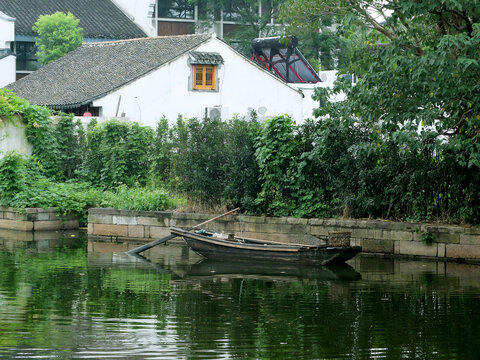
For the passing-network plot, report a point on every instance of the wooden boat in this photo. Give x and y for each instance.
(211, 246)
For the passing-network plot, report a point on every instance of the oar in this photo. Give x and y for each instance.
(151, 244)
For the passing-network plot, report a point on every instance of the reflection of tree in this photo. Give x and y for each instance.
(52, 294)
(58, 301)
(258, 319)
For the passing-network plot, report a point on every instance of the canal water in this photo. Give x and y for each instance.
(65, 297)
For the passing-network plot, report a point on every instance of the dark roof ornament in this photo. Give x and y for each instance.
(281, 56)
(205, 58)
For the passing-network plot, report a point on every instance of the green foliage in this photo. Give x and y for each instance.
(70, 138)
(277, 148)
(241, 184)
(141, 199)
(427, 237)
(39, 131)
(117, 153)
(58, 34)
(161, 153)
(12, 177)
(199, 158)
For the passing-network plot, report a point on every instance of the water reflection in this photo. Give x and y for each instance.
(71, 298)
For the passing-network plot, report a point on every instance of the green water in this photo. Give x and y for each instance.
(72, 299)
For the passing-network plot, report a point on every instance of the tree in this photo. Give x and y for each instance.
(418, 89)
(58, 34)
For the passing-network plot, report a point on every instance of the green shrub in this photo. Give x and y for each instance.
(117, 153)
(12, 176)
(141, 199)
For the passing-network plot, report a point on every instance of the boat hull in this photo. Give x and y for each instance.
(219, 249)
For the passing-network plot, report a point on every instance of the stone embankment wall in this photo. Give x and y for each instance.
(35, 219)
(384, 237)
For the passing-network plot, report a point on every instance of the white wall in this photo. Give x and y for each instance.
(138, 11)
(7, 36)
(165, 91)
(7, 30)
(308, 90)
(12, 137)
(7, 70)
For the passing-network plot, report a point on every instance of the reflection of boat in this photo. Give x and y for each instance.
(282, 271)
(237, 248)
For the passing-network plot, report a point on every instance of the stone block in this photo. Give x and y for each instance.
(46, 216)
(110, 230)
(416, 248)
(363, 233)
(47, 225)
(184, 223)
(124, 220)
(469, 239)
(276, 220)
(136, 231)
(297, 221)
(100, 218)
(447, 229)
(230, 226)
(275, 228)
(16, 225)
(472, 230)
(316, 222)
(10, 215)
(376, 245)
(441, 250)
(447, 238)
(253, 219)
(397, 226)
(393, 235)
(49, 216)
(322, 230)
(455, 251)
(198, 217)
(103, 211)
(157, 232)
(348, 223)
(152, 221)
(90, 228)
(333, 222)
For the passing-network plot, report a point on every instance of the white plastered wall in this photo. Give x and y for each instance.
(166, 91)
(7, 36)
(138, 11)
(12, 137)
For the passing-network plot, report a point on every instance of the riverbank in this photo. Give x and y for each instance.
(386, 238)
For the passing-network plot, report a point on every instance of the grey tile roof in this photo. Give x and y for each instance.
(99, 18)
(4, 53)
(198, 57)
(94, 70)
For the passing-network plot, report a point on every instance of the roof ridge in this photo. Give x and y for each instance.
(100, 43)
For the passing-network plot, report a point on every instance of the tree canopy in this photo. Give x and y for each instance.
(418, 88)
(58, 34)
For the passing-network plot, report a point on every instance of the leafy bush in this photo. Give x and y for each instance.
(12, 176)
(117, 153)
(141, 199)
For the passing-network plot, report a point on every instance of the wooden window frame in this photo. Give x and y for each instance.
(204, 85)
